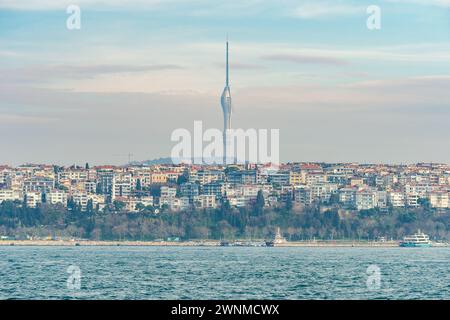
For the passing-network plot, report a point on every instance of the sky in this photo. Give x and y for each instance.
(137, 70)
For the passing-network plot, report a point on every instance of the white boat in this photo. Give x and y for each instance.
(418, 239)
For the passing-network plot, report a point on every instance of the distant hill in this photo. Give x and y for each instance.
(169, 161)
(153, 162)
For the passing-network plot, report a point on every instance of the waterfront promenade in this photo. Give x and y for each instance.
(198, 243)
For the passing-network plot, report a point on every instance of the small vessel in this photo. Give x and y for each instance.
(224, 243)
(418, 239)
(277, 240)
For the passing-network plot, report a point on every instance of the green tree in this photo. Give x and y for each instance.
(118, 205)
(182, 178)
(288, 204)
(258, 207)
(138, 185)
(90, 206)
(140, 206)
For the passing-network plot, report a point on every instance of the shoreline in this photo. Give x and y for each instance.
(199, 243)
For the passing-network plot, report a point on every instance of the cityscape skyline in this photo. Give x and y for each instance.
(337, 91)
(183, 187)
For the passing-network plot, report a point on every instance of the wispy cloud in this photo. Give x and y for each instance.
(241, 66)
(439, 3)
(8, 54)
(305, 59)
(91, 70)
(62, 4)
(58, 72)
(15, 119)
(320, 9)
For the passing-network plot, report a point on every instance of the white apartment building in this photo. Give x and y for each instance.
(439, 199)
(412, 200)
(347, 196)
(132, 202)
(168, 192)
(56, 196)
(206, 201)
(303, 195)
(444, 179)
(382, 199)
(206, 176)
(173, 175)
(323, 191)
(315, 178)
(247, 191)
(5, 172)
(396, 198)
(366, 199)
(421, 189)
(121, 186)
(41, 184)
(90, 186)
(236, 201)
(73, 174)
(182, 203)
(98, 201)
(33, 198)
(10, 195)
(81, 199)
(358, 182)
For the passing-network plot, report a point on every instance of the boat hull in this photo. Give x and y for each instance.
(415, 245)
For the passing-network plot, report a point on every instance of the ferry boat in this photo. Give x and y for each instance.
(418, 239)
(277, 240)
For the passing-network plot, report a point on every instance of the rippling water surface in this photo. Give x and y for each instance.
(224, 273)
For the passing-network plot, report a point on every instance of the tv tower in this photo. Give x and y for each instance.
(226, 108)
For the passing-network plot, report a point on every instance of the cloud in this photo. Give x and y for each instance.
(439, 3)
(16, 119)
(62, 4)
(320, 9)
(9, 54)
(418, 52)
(406, 93)
(241, 66)
(47, 73)
(305, 59)
(423, 84)
(92, 70)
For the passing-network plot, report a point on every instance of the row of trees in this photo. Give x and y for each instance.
(255, 222)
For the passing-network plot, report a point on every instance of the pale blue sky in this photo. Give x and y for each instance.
(139, 69)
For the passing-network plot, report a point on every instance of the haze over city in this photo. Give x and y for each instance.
(135, 72)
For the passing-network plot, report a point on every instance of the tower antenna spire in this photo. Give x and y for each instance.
(227, 66)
